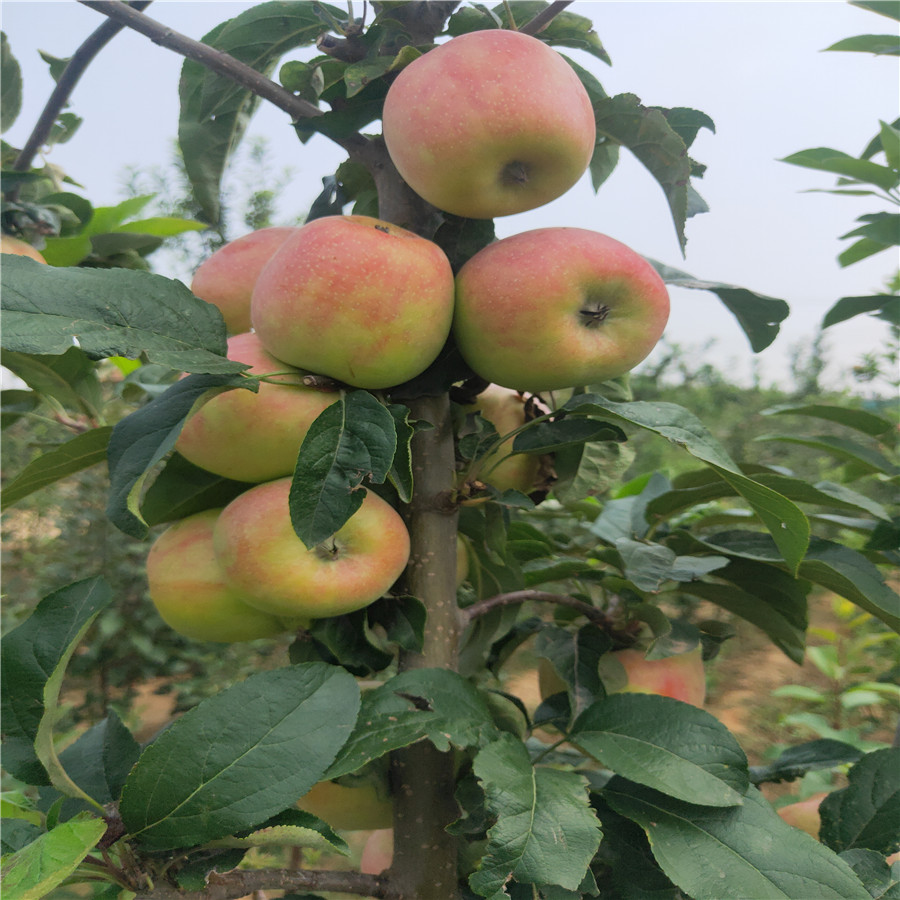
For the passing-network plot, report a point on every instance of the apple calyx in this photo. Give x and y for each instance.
(514, 174)
(594, 317)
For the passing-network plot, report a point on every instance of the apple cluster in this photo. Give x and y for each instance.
(487, 124)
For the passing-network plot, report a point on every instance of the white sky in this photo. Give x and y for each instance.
(754, 67)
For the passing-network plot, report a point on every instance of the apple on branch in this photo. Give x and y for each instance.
(364, 806)
(804, 814)
(556, 308)
(263, 558)
(226, 278)
(190, 592)
(251, 436)
(505, 409)
(357, 299)
(18, 247)
(489, 124)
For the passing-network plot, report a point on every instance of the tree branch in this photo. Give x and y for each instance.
(515, 597)
(545, 17)
(216, 60)
(70, 76)
(242, 882)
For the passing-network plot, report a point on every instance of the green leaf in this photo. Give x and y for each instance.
(734, 853)
(665, 744)
(654, 142)
(10, 85)
(141, 440)
(161, 226)
(547, 437)
(575, 658)
(566, 29)
(796, 761)
(758, 315)
(890, 140)
(111, 312)
(86, 450)
(885, 306)
(861, 171)
(873, 871)
(860, 455)
(879, 44)
(70, 378)
(400, 474)
(836, 567)
(31, 657)
(239, 757)
(353, 441)
(889, 8)
(35, 870)
(182, 489)
(866, 813)
(766, 596)
(858, 419)
(784, 520)
(546, 832)
(433, 704)
(215, 111)
(291, 828)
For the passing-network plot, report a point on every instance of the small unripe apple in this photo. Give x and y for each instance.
(263, 558)
(357, 807)
(251, 436)
(488, 124)
(189, 590)
(357, 299)
(557, 307)
(10, 244)
(804, 814)
(505, 410)
(227, 277)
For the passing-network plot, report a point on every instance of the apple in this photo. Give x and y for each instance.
(358, 807)
(18, 247)
(226, 278)
(357, 299)
(253, 436)
(505, 410)
(557, 307)
(378, 852)
(263, 558)
(189, 590)
(681, 677)
(804, 814)
(489, 124)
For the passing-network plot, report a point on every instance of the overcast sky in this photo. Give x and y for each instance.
(755, 67)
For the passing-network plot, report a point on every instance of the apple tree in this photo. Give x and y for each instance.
(415, 464)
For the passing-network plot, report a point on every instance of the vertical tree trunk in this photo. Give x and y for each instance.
(424, 866)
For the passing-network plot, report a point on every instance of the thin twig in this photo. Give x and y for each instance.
(515, 597)
(545, 17)
(70, 76)
(241, 882)
(216, 60)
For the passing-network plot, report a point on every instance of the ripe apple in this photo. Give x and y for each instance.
(227, 277)
(680, 677)
(189, 589)
(358, 807)
(253, 436)
(378, 852)
(488, 124)
(804, 814)
(264, 559)
(10, 244)
(505, 410)
(557, 307)
(357, 299)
